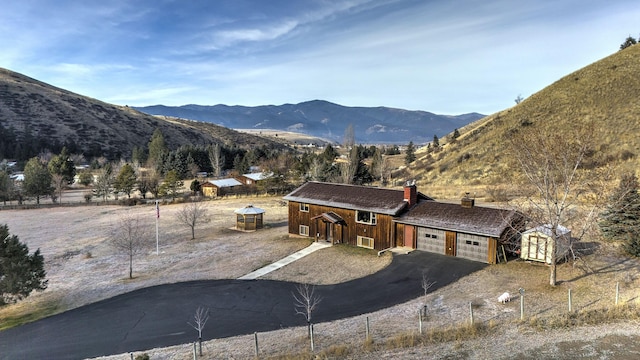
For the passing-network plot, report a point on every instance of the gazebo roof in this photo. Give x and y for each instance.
(249, 210)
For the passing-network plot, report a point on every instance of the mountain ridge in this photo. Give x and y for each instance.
(325, 119)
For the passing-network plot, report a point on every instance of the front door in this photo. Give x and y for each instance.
(408, 236)
(450, 243)
(329, 232)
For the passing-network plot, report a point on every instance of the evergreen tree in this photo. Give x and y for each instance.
(436, 141)
(629, 41)
(20, 273)
(63, 171)
(456, 134)
(410, 154)
(621, 218)
(125, 180)
(171, 184)
(37, 179)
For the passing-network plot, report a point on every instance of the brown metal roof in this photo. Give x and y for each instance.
(378, 200)
(476, 220)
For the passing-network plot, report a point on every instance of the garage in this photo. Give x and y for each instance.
(472, 247)
(430, 240)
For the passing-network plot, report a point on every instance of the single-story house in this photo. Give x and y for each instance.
(254, 178)
(213, 188)
(537, 244)
(381, 218)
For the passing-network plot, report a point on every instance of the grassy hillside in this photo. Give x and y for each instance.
(604, 94)
(56, 116)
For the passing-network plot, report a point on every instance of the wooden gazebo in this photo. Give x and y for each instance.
(249, 218)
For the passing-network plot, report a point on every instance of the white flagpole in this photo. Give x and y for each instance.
(157, 219)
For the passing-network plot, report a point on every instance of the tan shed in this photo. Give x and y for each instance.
(537, 244)
(249, 218)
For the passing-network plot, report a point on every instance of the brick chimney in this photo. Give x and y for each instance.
(410, 193)
(467, 202)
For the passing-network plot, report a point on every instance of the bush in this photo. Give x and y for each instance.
(144, 356)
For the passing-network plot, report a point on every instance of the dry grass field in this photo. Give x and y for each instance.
(83, 268)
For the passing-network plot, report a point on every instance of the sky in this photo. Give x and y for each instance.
(443, 56)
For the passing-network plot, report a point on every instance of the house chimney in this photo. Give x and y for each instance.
(467, 202)
(410, 193)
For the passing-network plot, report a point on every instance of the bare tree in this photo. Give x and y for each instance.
(216, 158)
(59, 182)
(349, 137)
(349, 168)
(199, 321)
(426, 284)
(556, 179)
(192, 214)
(130, 238)
(305, 302)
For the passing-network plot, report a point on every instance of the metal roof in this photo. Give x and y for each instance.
(221, 183)
(249, 210)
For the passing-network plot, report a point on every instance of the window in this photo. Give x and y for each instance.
(365, 242)
(433, 236)
(365, 217)
(304, 207)
(304, 230)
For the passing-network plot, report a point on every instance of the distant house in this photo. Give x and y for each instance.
(17, 176)
(380, 218)
(537, 244)
(254, 178)
(213, 188)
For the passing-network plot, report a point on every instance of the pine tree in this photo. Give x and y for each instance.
(621, 218)
(20, 273)
(410, 154)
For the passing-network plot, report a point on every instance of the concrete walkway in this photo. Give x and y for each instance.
(288, 260)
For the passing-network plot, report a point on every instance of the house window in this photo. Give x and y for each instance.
(433, 236)
(304, 207)
(304, 230)
(366, 217)
(365, 242)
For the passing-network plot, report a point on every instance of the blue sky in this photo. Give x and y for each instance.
(447, 57)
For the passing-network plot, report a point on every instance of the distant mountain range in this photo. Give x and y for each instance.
(325, 120)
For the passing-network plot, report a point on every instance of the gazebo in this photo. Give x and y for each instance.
(249, 218)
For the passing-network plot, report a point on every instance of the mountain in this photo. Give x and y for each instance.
(603, 94)
(325, 120)
(35, 116)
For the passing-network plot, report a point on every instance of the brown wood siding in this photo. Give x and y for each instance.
(492, 250)
(382, 232)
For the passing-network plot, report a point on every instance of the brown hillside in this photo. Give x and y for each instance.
(604, 94)
(98, 128)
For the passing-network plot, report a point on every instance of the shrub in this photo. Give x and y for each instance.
(144, 356)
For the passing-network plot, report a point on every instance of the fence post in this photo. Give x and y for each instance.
(255, 337)
(195, 351)
(617, 291)
(420, 321)
(367, 330)
(471, 312)
(521, 291)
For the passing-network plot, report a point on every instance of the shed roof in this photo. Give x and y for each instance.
(379, 200)
(475, 220)
(249, 210)
(258, 176)
(221, 183)
(546, 229)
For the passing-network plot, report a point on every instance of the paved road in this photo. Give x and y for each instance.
(157, 316)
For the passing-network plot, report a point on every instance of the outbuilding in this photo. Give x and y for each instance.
(220, 187)
(249, 218)
(538, 244)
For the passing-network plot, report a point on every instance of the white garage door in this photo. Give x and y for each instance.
(472, 247)
(430, 240)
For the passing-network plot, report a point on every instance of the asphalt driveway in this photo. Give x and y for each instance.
(157, 316)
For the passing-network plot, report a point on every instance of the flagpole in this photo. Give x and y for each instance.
(157, 220)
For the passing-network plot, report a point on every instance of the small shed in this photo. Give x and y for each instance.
(537, 244)
(249, 218)
(213, 188)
